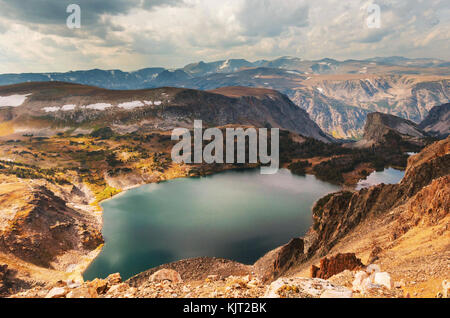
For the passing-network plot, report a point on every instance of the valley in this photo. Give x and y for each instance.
(208, 156)
(66, 148)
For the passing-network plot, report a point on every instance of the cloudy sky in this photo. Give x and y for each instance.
(133, 34)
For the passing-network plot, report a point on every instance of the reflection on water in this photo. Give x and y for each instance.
(388, 176)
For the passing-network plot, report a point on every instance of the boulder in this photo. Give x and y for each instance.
(329, 293)
(113, 279)
(80, 292)
(57, 292)
(99, 286)
(73, 285)
(358, 282)
(373, 268)
(383, 279)
(335, 265)
(367, 285)
(118, 290)
(300, 287)
(166, 274)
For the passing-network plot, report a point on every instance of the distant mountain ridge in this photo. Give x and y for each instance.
(43, 109)
(148, 77)
(338, 95)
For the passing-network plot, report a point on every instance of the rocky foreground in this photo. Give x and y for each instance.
(366, 282)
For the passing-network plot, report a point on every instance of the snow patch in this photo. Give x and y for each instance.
(225, 65)
(13, 100)
(131, 105)
(68, 107)
(98, 106)
(51, 109)
(320, 89)
(157, 103)
(148, 102)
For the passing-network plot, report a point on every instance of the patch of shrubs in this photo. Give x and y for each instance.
(103, 133)
(299, 167)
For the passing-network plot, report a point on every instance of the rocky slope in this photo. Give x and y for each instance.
(36, 215)
(437, 123)
(403, 228)
(342, 102)
(51, 106)
(337, 214)
(46, 228)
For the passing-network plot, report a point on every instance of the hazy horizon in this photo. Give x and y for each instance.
(170, 68)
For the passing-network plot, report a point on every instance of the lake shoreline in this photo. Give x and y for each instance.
(285, 187)
(98, 251)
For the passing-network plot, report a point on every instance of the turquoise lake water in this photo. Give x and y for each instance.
(388, 176)
(238, 215)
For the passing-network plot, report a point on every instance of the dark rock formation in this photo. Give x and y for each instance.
(392, 131)
(277, 262)
(335, 265)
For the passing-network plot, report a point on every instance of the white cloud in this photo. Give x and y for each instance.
(175, 33)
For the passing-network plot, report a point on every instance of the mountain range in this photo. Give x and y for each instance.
(44, 108)
(66, 147)
(338, 95)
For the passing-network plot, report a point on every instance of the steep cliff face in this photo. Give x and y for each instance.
(329, 100)
(277, 262)
(49, 106)
(384, 130)
(336, 215)
(437, 123)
